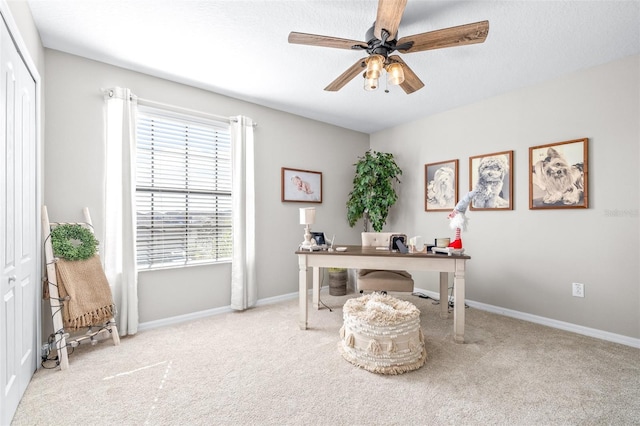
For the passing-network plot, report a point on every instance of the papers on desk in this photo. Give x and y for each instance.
(447, 250)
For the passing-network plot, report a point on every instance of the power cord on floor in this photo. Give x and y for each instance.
(451, 303)
(325, 305)
(424, 296)
(319, 298)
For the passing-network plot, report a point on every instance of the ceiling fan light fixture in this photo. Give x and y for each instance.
(370, 83)
(381, 40)
(395, 73)
(375, 64)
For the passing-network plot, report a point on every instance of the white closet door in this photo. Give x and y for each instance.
(18, 228)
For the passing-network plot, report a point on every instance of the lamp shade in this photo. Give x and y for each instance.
(370, 83)
(375, 64)
(307, 215)
(395, 74)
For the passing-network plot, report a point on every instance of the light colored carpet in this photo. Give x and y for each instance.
(258, 368)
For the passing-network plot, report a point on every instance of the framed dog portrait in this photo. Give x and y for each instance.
(558, 175)
(301, 186)
(440, 186)
(491, 176)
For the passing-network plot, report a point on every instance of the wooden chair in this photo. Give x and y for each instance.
(61, 339)
(382, 280)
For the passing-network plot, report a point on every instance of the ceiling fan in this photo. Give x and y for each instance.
(382, 41)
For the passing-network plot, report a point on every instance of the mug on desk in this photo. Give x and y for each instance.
(443, 242)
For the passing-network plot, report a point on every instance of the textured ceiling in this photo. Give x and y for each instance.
(240, 48)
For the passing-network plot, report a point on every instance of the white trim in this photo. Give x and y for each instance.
(586, 331)
(18, 40)
(182, 318)
(276, 299)
(7, 16)
(561, 325)
(148, 325)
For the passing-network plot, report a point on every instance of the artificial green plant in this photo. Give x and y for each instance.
(373, 190)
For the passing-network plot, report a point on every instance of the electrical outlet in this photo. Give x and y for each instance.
(578, 290)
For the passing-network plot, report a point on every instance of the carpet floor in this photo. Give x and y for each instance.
(258, 368)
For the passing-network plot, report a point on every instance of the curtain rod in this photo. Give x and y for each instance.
(150, 103)
(174, 108)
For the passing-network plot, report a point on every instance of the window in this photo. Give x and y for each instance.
(183, 189)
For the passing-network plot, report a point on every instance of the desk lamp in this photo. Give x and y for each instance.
(307, 217)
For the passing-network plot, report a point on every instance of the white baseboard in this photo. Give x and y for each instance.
(148, 325)
(561, 325)
(586, 331)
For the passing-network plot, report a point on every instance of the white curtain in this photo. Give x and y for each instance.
(244, 290)
(119, 255)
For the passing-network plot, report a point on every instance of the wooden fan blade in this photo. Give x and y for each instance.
(346, 76)
(388, 18)
(411, 81)
(324, 41)
(447, 37)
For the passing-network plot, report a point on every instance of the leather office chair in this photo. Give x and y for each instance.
(381, 280)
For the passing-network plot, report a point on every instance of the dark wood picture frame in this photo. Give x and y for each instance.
(301, 186)
(558, 175)
(492, 176)
(440, 186)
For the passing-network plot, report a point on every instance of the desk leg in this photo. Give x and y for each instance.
(316, 287)
(302, 289)
(458, 296)
(444, 295)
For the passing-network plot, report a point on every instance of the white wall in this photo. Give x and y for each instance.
(74, 170)
(526, 260)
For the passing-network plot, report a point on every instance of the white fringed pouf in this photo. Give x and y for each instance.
(382, 334)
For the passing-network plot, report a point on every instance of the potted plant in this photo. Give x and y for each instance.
(373, 191)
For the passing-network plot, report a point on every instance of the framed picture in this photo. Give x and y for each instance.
(558, 175)
(319, 237)
(301, 186)
(440, 186)
(492, 176)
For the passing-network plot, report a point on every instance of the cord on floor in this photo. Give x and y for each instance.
(437, 301)
(325, 305)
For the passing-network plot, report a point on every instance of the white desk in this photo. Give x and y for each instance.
(358, 257)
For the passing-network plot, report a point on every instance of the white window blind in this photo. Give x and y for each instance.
(183, 189)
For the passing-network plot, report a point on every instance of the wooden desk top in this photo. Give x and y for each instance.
(372, 251)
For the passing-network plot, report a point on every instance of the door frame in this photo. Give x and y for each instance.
(23, 51)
